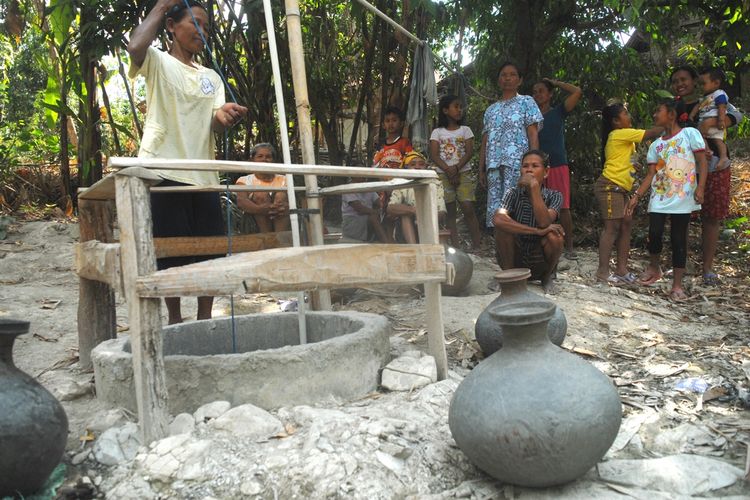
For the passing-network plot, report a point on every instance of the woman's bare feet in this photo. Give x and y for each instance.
(650, 276)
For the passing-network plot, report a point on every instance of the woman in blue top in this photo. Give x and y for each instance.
(552, 142)
(510, 130)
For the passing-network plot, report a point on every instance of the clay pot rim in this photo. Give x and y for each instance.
(523, 313)
(513, 275)
(9, 326)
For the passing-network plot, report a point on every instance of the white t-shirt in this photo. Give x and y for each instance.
(676, 179)
(452, 145)
(367, 199)
(181, 102)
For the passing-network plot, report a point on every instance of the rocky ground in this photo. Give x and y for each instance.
(682, 371)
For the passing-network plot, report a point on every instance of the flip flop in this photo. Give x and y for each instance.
(678, 296)
(625, 279)
(711, 279)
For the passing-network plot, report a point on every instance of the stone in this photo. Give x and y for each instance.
(117, 445)
(248, 421)
(250, 488)
(176, 457)
(184, 423)
(407, 373)
(70, 390)
(79, 458)
(211, 410)
(106, 419)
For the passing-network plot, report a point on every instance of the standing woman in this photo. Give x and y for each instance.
(715, 207)
(185, 106)
(552, 142)
(510, 130)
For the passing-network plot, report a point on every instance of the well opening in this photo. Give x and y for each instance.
(252, 333)
(342, 360)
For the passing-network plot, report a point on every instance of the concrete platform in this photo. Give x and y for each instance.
(342, 360)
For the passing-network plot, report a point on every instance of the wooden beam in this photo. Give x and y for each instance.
(104, 189)
(296, 269)
(369, 187)
(144, 315)
(427, 221)
(221, 188)
(270, 168)
(97, 319)
(100, 262)
(219, 245)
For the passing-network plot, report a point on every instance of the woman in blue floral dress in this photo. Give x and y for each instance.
(510, 129)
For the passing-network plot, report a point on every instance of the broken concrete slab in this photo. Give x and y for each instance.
(408, 372)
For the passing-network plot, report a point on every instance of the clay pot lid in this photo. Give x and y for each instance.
(513, 275)
(9, 326)
(523, 313)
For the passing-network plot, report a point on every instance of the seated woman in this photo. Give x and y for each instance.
(268, 208)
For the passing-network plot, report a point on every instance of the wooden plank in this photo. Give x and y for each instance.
(104, 189)
(100, 262)
(296, 269)
(369, 187)
(97, 318)
(219, 245)
(427, 222)
(137, 259)
(270, 168)
(221, 188)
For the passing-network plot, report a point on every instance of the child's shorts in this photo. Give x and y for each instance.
(611, 197)
(558, 178)
(465, 191)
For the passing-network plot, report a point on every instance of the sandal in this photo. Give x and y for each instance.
(711, 279)
(625, 279)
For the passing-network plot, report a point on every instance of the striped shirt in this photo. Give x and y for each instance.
(517, 204)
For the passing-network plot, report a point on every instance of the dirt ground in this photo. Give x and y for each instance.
(644, 342)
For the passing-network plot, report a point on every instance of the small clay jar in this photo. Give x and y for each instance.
(513, 289)
(463, 267)
(533, 414)
(33, 424)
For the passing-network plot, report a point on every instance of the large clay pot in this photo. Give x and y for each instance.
(489, 333)
(33, 425)
(463, 267)
(533, 414)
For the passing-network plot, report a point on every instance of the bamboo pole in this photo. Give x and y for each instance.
(304, 125)
(286, 153)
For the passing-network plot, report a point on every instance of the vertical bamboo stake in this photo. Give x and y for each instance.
(97, 319)
(138, 258)
(427, 221)
(304, 125)
(301, 306)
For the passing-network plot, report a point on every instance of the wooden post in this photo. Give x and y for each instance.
(321, 298)
(427, 221)
(138, 259)
(97, 318)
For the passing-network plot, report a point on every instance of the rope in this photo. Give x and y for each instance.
(226, 157)
(208, 50)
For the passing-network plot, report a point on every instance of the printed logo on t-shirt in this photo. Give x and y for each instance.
(207, 86)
